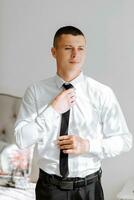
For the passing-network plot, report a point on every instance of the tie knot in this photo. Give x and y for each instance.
(67, 86)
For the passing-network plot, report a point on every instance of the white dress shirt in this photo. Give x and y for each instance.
(96, 116)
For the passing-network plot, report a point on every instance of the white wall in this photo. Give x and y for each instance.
(26, 32)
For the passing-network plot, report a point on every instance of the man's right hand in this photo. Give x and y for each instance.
(64, 101)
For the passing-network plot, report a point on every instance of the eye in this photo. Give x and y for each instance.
(67, 48)
(81, 49)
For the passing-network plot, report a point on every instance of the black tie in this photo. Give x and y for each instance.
(64, 131)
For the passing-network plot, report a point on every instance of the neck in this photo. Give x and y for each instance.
(67, 77)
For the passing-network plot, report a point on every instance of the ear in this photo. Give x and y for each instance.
(53, 51)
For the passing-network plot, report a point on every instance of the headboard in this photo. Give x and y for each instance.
(9, 107)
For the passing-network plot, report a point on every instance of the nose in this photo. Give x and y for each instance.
(74, 53)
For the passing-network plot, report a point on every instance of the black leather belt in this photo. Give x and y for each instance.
(69, 183)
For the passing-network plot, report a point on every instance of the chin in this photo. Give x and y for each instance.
(75, 65)
(75, 69)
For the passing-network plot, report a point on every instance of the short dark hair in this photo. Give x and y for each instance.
(66, 30)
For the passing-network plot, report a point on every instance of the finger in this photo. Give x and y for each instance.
(69, 91)
(64, 142)
(63, 137)
(65, 147)
(69, 151)
(72, 100)
(72, 103)
(72, 94)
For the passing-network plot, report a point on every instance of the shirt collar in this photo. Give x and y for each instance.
(74, 82)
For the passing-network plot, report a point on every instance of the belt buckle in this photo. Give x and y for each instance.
(66, 185)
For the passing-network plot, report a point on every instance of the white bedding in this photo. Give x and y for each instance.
(7, 193)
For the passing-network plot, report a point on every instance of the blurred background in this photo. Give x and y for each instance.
(27, 28)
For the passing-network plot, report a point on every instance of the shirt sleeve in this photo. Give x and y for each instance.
(116, 137)
(32, 124)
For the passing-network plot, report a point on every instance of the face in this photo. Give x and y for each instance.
(69, 53)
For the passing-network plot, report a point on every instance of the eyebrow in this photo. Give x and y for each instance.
(68, 45)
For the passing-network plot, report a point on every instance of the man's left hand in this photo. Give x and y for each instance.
(73, 144)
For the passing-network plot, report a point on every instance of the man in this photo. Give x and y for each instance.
(75, 121)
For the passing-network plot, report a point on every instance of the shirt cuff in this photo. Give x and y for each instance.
(48, 115)
(95, 147)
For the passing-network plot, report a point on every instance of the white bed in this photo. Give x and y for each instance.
(7, 193)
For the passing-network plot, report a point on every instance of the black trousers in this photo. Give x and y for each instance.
(45, 190)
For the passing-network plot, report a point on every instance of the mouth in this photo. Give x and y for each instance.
(74, 62)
